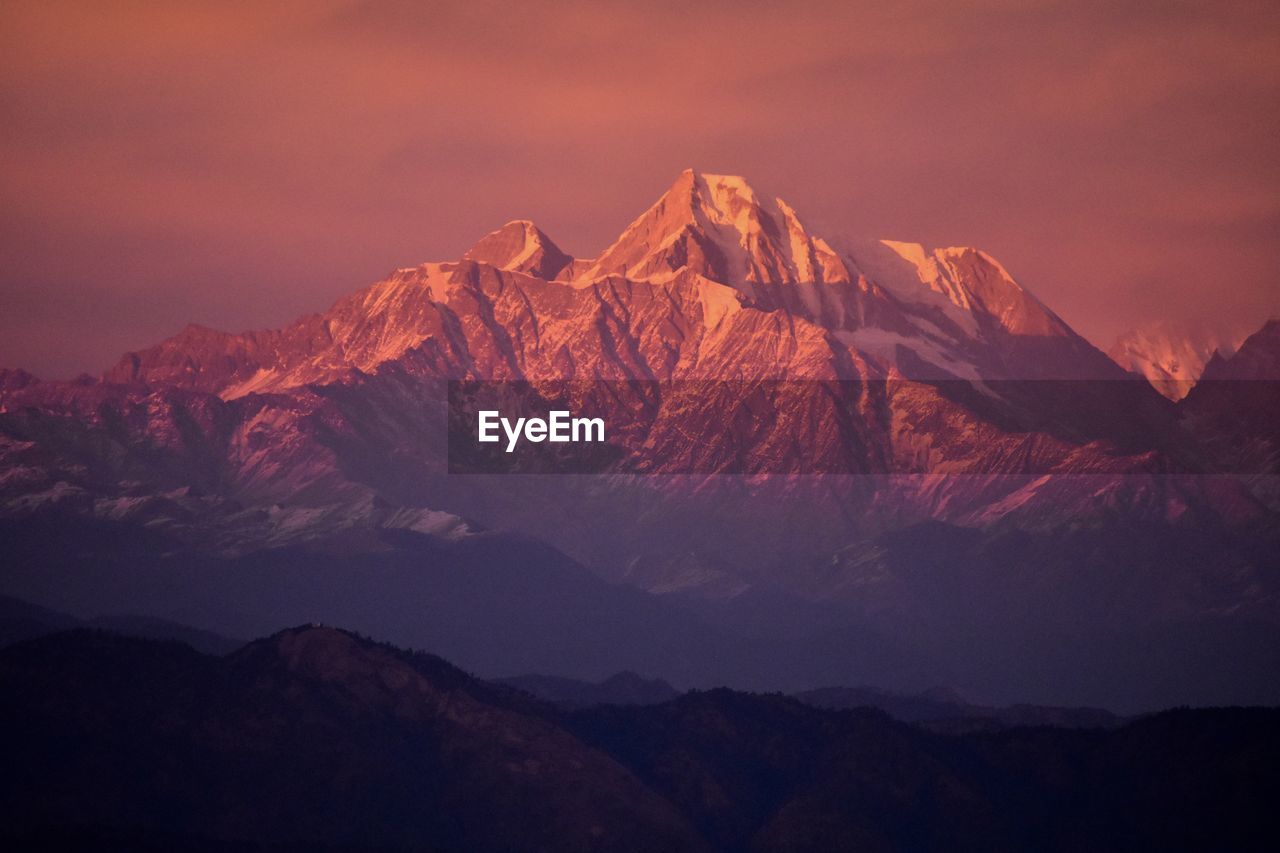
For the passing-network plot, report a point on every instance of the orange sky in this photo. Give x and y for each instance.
(237, 166)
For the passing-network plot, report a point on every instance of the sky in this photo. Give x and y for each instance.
(238, 164)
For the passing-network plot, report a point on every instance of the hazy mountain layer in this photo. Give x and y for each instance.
(315, 738)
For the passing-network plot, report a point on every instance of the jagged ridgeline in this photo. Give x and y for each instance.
(897, 441)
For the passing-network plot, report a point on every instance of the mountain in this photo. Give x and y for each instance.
(497, 603)
(1173, 356)
(20, 620)
(1235, 407)
(941, 368)
(520, 246)
(815, 442)
(623, 688)
(315, 738)
(719, 265)
(312, 737)
(940, 709)
(1256, 360)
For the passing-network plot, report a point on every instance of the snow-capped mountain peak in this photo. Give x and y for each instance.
(1172, 356)
(722, 229)
(970, 287)
(711, 248)
(520, 246)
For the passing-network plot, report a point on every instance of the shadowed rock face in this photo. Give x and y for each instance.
(1234, 410)
(315, 738)
(1257, 360)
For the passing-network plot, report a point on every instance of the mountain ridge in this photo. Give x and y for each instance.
(828, 441)
(318, 738)
(706, 233)
(1173, 356)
